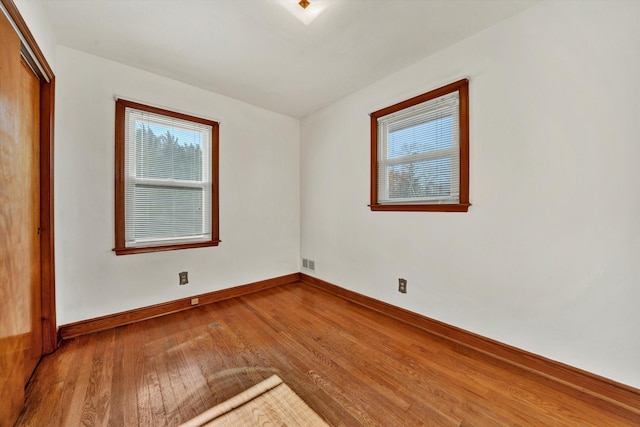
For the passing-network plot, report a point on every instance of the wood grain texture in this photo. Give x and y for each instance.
(352, 365)
(47, 242)
(605, 391)
(123, 318)
(20, 296)
(14, 13)
(47, 101)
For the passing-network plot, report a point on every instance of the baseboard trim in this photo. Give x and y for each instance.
(619, 395)
(109, 321)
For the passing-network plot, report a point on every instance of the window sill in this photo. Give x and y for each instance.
(138, 250)
(462, 207)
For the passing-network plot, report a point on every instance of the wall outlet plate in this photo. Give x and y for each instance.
(184, 277)
(402, 286)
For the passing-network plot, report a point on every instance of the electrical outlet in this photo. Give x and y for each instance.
(184, 277)
(194, 301)
(402, 286)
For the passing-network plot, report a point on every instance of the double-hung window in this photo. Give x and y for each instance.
(166, 180)
(420, 152)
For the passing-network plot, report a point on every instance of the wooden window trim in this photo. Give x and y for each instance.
(461, 86)
(120, 247)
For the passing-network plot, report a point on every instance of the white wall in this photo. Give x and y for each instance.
(548, 257)
(259, 193)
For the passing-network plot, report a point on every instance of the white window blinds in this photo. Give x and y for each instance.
(419, 153)
(167, 180)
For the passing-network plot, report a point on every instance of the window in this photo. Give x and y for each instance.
(166, 180)
(420, 152)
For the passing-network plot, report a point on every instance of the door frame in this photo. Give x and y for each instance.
(36, 59)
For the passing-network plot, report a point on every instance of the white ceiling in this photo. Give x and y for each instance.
(257, 52)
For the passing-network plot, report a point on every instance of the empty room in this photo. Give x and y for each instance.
(319, 212)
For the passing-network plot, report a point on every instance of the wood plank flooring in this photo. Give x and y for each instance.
(352, 365)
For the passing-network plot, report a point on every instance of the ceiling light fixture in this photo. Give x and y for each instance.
(305, 10)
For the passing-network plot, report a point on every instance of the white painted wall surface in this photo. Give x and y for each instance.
(36, 20)
(259, 193)
(548, 257)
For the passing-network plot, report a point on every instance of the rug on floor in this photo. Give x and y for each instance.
(270, 402)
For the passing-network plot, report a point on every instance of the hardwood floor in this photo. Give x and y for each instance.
(352, 365)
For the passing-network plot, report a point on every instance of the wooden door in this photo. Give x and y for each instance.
(20, 264)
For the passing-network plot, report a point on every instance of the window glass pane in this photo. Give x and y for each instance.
(420, 138)
(420, 179)
(167, 212)
(168, 152)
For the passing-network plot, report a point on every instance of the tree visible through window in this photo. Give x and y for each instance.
(419, 152)
(166, 180)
